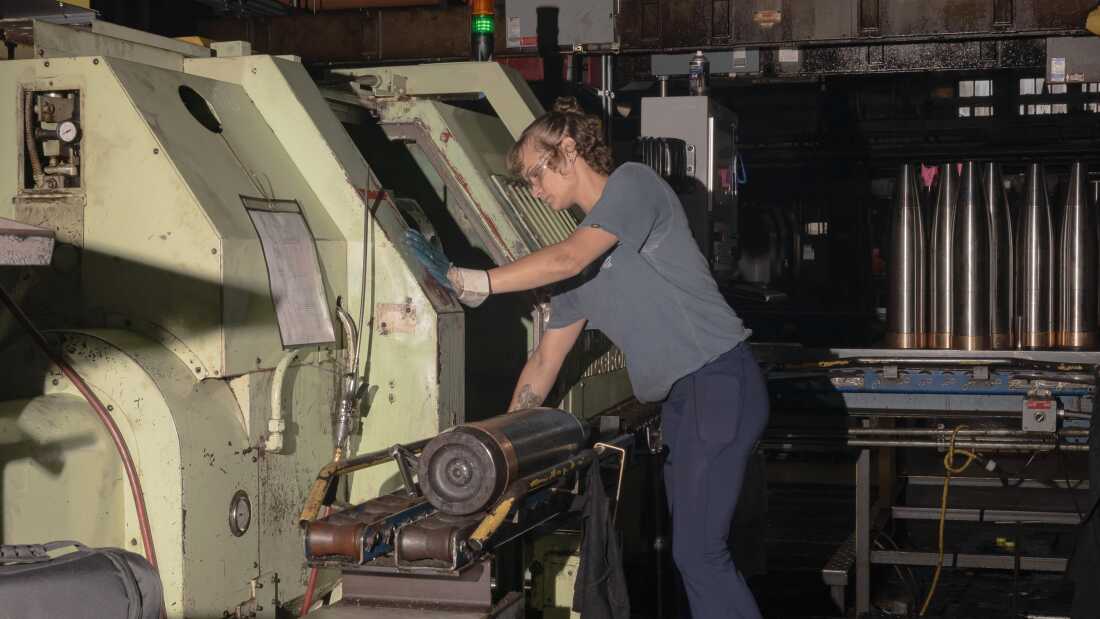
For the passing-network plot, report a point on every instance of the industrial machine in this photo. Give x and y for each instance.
(425, 550)
(692, 142)
(230, 286)
(227, 304)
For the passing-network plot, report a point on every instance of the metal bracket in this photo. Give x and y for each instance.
(891, 374)
(407, 462)
(622, 467)
(653, 439)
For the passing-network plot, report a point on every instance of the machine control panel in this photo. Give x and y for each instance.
(1040, 413)
(51, 140)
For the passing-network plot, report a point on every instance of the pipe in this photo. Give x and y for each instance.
(345, 413)
(28, 133)
(936, 432)
(101, 411)
(275, 425)
(1010, 446)
(1055, 377)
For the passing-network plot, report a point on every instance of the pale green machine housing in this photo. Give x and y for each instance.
(159, 295)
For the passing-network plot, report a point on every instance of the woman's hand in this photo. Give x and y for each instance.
(471, 286)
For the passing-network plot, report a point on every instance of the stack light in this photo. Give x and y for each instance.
(482, 29)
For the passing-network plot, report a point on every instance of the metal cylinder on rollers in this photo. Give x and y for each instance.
(905, 309)
(970, 325)
(941, 305)
(469, 467)
(1035, 265)
(1076, 265)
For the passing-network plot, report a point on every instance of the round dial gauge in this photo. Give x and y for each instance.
(68, 131)
(240, 513)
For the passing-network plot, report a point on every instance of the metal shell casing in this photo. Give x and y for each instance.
(941, 260)
(1094, 191)
(971, 246)
(1035, 265)
(906, 309)
(1076, 267)
(1002, 266)
(468, 468)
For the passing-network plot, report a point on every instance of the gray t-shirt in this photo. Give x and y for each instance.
(652, 294)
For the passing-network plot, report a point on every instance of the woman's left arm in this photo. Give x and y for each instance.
(555, 263)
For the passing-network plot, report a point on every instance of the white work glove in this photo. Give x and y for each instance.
(471, 286)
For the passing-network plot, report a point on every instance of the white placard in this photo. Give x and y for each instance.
(788, 54)
(293, 272)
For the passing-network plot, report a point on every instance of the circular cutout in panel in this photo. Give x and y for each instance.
(200, 109)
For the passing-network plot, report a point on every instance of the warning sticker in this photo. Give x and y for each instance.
(767, 18)
(513, 32)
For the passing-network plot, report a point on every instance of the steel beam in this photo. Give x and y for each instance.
(964, 561)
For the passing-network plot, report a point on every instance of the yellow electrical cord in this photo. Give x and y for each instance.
(949, 466)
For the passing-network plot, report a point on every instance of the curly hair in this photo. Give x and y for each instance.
(565, 119)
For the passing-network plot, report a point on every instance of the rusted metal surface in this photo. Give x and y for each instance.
(342, 5)
(356, 36)
(906, 57)
(676, 24)
(439, 538)
(390, 34)
(468, 590)
(395, 318)
(483, 226)
(60, 212)
(427, 33)
(869, 22)
(352, 534)
(24, 245)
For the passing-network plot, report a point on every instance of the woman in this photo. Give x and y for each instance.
(650, 291)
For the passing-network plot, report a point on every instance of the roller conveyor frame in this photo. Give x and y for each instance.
(878, 387)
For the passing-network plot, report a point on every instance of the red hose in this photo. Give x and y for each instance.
(101, 412)
(307, 601)
(311, 584)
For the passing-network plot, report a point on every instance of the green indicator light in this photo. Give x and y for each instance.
(482, 24)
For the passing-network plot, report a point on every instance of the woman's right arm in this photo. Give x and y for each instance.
(543, 365)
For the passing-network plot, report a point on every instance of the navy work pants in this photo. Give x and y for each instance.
(711, 421)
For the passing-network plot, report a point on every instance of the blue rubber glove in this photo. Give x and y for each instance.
(471, 286)
(433, 260)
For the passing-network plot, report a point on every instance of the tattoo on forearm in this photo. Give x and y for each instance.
(527, 398)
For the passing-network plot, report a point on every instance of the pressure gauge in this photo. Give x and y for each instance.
(68, 132)
(240, 513)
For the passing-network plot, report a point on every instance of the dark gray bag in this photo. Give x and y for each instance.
(98, 583)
